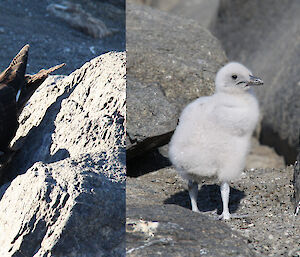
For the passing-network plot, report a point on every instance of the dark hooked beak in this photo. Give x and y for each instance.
(254, 81)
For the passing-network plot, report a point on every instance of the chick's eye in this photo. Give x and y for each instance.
(234, 76)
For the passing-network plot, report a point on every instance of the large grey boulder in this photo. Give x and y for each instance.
(45, 211)
(153, 118)
(173, 231)
(202, 11)
(174, 55)
(73, 164)
(262, 34)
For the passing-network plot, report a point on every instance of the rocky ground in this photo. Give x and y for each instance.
(264, 195)
(271, 227)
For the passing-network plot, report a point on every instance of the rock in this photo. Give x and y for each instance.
(273, 53)
(46, 210)
(76, 17)
(73, 160)
(262, 156)
(119, 3)
(296, 182)
(93, 97)
(171, 230)
(152, 114)
(202, 11)
(165, 186)
(175, 55)
(52, 41)
(261, 194)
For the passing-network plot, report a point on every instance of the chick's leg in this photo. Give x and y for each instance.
(225, 190)
(193, 192)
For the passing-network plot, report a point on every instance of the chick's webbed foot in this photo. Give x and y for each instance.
(228, 216)
(225, 216)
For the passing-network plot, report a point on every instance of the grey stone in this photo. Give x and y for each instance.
(261, 34)
(262, 195)
(79, 19)
(262, 156)
(82, 113)
(53, 41)
(70, 198)
(296, 181)
(67, 208)
(119, 3)
(170, 230)
(152, 114)
(174, 54)
(202, 11)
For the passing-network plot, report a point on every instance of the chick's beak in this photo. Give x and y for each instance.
(254, 81)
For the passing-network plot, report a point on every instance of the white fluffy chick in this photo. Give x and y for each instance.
(213, 134)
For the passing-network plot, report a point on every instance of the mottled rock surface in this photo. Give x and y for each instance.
(45, 211)
(153, 118)
(82, 113)
(172, 231)
(73, 165)
(175, 55)
(202, 11)
(265, 36)
(270, 228)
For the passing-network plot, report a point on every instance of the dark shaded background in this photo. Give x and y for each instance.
(53, 41)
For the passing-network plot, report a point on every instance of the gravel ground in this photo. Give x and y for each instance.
(270, 226)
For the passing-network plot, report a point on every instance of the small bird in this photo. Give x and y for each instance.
(213, 134)
(15, 90)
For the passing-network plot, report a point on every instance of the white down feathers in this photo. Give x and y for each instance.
(213, 134)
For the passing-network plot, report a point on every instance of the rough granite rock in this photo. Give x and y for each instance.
(264, 194)
(73, 159)
(81, 113)
(175, 55)
(172, 231)
(272, 28)
(45, 211)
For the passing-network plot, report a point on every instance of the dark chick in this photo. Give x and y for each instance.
(15, 90)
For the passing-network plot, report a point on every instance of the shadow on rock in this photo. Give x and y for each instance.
(209, 199)
(149, 162)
